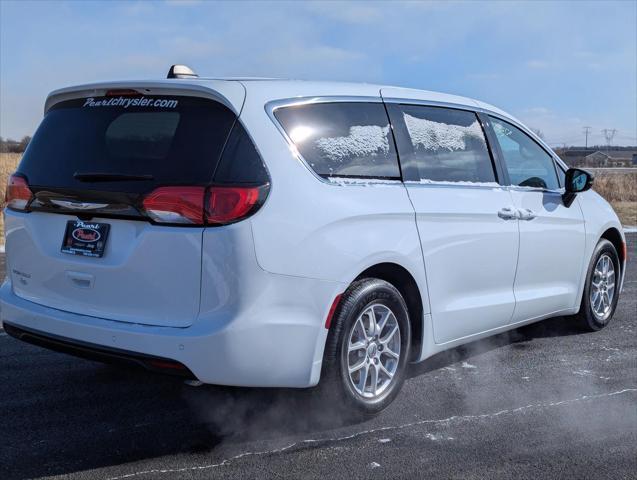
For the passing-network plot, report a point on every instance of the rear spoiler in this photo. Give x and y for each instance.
(229, 93)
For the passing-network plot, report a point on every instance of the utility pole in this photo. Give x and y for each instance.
(609, 134)
(586, 132)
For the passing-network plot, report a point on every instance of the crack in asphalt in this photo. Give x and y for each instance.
(300, 443)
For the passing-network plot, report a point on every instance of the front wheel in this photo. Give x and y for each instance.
(367, 347)
(601, 290)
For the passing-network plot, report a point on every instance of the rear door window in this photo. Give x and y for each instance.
(345, 139)
(441, 145)
(528, 164)
(163, 140)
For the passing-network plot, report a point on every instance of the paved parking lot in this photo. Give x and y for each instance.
(543, 401)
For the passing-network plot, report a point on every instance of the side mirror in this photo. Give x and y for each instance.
(576, 181)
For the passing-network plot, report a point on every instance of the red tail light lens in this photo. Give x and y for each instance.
(176, 205)
(185, 205)
(18, 195)
(230, 204)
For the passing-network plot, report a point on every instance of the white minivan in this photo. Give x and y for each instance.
(276, 233)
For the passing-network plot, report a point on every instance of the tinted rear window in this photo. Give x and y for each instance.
(176, 140)
(441, 144)
(346, 139)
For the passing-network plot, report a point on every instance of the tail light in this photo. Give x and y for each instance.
(231, 204)
(18, 194)
(199, 206)
(176, 205)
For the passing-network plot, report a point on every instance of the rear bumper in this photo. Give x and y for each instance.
(277, 342)
(98, 353)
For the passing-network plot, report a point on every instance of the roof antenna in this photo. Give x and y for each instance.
(181, 71)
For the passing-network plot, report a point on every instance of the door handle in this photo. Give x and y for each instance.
(527, 214)
(508, 213)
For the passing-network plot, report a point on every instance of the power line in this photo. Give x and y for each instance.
(609, 134)
(586, 132)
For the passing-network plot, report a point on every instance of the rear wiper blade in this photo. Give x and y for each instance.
(110, 177)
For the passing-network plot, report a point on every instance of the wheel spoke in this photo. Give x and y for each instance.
(390, 352)
(371, 320)
(358, 366)
(383, 321)
(353, 347)
(598, 301)
(361, 326)
(362, 381)
(389, 336)
(385, 371)
(374, 379)
(374, 324)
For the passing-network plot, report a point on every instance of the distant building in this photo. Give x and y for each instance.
(603, 159)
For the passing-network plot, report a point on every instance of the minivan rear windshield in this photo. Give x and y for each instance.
(127, 144)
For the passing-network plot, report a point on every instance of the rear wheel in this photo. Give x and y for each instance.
(601, 290)
(367, 348)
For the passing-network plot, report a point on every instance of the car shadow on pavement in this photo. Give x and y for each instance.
(86, 415)
(519, 338)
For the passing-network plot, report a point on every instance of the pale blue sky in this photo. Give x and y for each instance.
(555, 65)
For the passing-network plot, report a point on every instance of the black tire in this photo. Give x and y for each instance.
(586, 317)
(335, 378)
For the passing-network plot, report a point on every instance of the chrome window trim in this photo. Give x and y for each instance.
(476, 186)
(273, 105)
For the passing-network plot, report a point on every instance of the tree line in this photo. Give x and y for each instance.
(7, 145)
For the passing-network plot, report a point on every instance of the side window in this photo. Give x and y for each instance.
(527, 163)
(345, 139)
(442, 144)
(240, 163)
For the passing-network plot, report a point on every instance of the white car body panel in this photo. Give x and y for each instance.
(551, 254)
(470, 256)
(151, 287)
(254, 313)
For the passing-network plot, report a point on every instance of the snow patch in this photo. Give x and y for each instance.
(630, 229)
(373, 465)
(440, 136)
(468, 365)
(433, 437)
(363, 140)
(365, 182)
(384, 440)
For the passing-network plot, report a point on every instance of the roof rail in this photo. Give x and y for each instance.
(181, 71)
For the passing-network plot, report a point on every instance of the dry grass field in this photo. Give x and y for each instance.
(618, 188)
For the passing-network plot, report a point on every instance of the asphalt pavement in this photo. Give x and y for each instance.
(543, 401)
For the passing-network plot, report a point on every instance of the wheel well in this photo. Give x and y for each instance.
(614, 237)
(400, 278)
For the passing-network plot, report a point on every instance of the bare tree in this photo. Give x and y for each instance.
(538, 132)
(24, 143)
